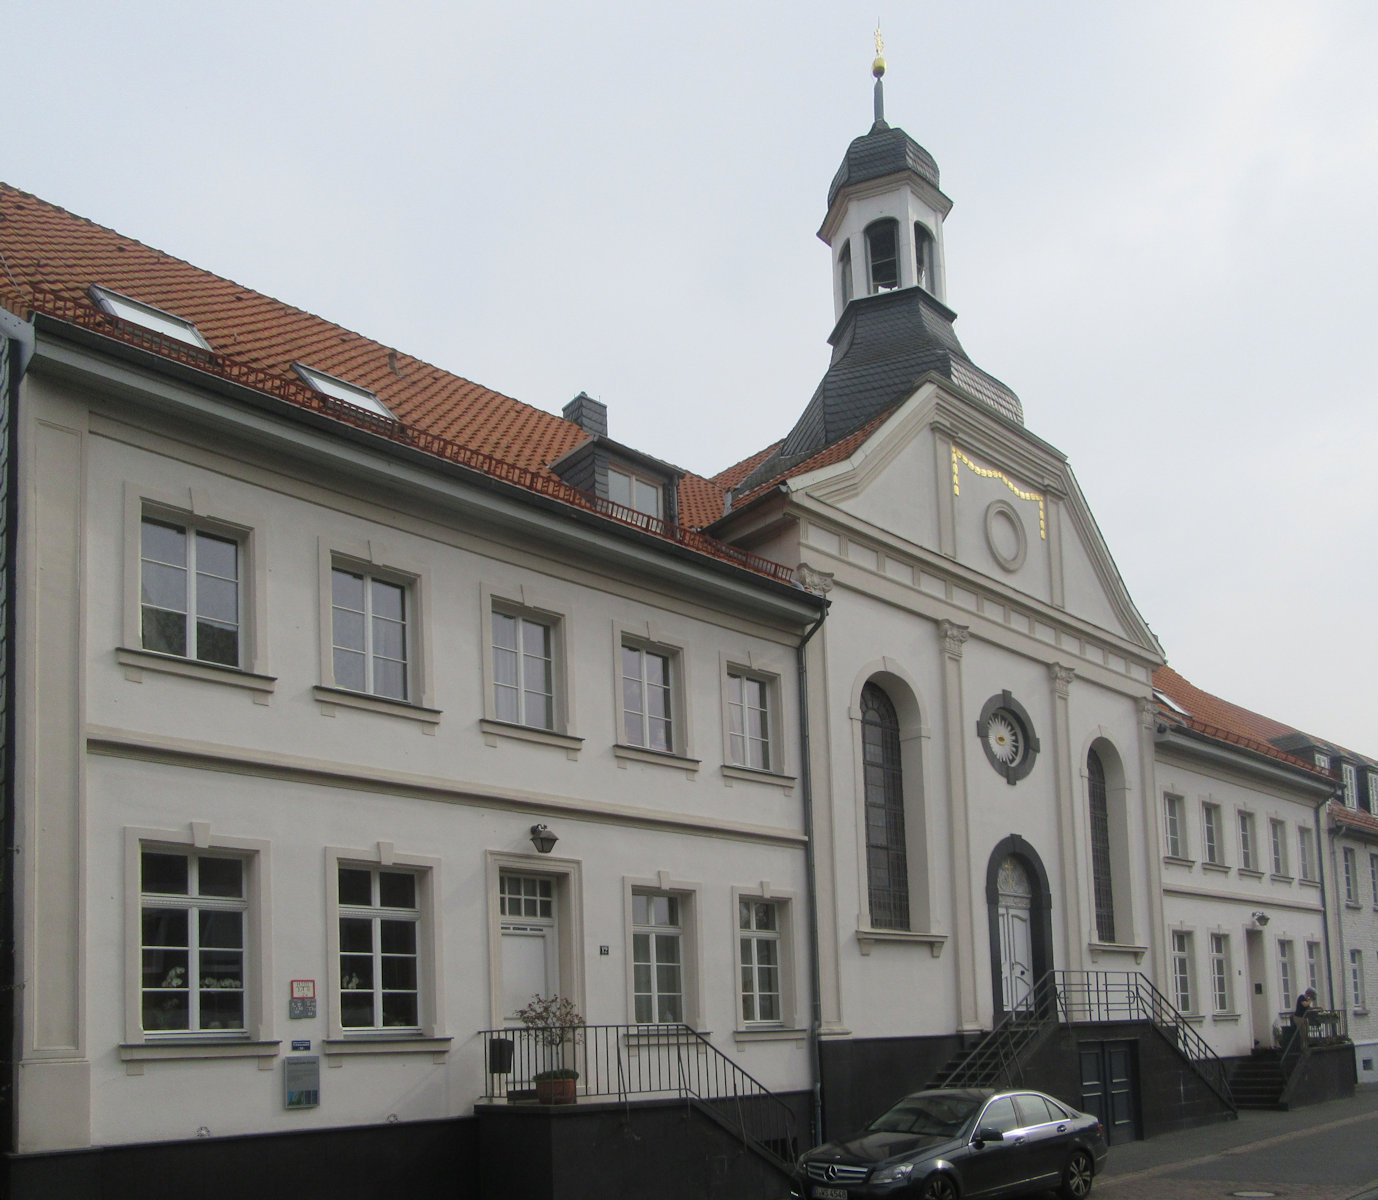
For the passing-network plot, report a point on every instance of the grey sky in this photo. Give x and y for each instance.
(1162, 239)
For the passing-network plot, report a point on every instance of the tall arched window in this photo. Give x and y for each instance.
(883, 255)
(844, 274)
(1102, 883)
(923, 256)
(887, 861)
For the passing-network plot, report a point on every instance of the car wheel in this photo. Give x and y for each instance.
(1076, 1179)
(938, 1187)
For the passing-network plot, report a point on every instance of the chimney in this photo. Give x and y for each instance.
(589, 414)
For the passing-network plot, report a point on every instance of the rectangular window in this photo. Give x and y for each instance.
(1287, 972)
(1182, 971)
(1350, 865)
(748, 721)
(1356, 980)
(370, 635)
(1278, 833)
(523, 670)
(1373, 792)
(1322, 760)
(193, 915)
(657, 959)
(1373, 877)
(189, 592)
(1220, 972)
(647, 688)
(379, 949)
(1306, 852)
(634, 492)
(759, 959)
(1313, 966)
(1350, 779)
(1247, 861)
(1211, 847)
(1172, 823)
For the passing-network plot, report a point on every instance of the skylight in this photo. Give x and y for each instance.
(155, 320)
(1177, 708)
(328, 385)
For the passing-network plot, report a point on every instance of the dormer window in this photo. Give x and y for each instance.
(338, 389)
(844, 274)
(923, 256)
(1322, 760)
(882, 256)
(635, 492)
(155, 320)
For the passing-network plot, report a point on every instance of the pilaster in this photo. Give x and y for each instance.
(1069, 828)
(964, 900)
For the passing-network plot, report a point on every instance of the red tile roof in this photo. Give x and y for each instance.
(1225, 722)
(731, 476)
(49, 258)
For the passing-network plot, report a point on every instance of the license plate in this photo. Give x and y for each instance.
(827, 1193)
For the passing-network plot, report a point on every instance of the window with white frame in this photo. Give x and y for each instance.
(1247, 859)
(380, 946)
(1373, 877)
(193, 917)
(339, 389)
(749, 721)
(647, 698)
(1350, 874)
(1313, 966)
(1212, 841)
(1350, 780)
(882, 255)
(636, 492)
(1306, 853)
(155, 320)
(657, 958)
(1175, 832)
(189, 584)
(759, 958)
(369, 632)
(523, 669)
(1322, 760)
(1287, 970)
(1373, 792)
(1220, 972)
(1356, 981)
(1183, 970)
(1277, 831)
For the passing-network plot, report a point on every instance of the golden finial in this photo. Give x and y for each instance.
(878, 67)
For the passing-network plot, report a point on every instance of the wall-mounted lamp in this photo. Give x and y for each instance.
(543, 839)
(1260, 918)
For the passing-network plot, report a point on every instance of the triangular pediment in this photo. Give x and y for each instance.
(947, 482)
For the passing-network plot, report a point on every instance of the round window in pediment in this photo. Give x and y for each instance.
(1007, 736)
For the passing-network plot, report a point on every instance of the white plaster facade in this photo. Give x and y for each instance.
(1354, 904)
(273, 764)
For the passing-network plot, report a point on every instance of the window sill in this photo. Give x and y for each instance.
(330, 697)
(196, 1048)
(669, 1035)
(135, 662)
(387, 1044)
(1194, 1018)
(1354, 904)
(752, 775)
(1226, 1018)
(1313, 883)
(1099, 948)
(493, 730)
(656, 758)
(1176, 860)
(1282, 878)
(1219, 868)
(867, 938)
(1249, 873)
(769, 1034)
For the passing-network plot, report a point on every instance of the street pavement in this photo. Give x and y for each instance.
(1322, 1152)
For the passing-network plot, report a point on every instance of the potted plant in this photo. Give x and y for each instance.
(554, 1023)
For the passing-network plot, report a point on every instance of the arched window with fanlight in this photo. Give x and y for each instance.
(887, 858)
(1102, 879)
(883, 255)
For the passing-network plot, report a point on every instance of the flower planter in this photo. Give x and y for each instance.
(555, 1091)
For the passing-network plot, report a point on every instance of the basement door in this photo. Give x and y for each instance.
(1110, 1087)
(1014, 915)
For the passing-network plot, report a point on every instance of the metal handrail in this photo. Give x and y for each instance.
(649, 1061)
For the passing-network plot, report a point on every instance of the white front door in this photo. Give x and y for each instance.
(530, 942)
(1014, 915)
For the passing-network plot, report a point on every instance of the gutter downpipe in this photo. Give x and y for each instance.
(1333, 833)
(811, 875)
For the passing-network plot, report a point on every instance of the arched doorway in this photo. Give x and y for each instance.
(1020, 920)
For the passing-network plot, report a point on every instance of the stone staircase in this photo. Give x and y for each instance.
(1258, 1081)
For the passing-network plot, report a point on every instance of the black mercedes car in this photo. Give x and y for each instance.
(959, 1142)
